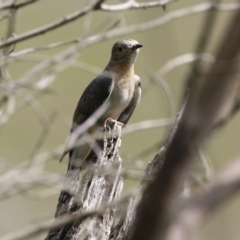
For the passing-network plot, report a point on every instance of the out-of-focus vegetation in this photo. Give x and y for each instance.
(54, 106)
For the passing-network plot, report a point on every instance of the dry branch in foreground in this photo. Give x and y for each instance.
(206, 102)
(99, 187)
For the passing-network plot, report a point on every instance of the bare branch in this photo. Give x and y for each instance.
(202, 109)
(35, 49)
(65, 20)
(93, 189)
(132, 4)
(123, 229)
(94, 207)
(147, 124)
(166, 92)
(70, 53)
(122, 31)
(184, 59)
(51, 224)
(21, 180)
(207, 31)
(173, 16)
(11, 30)
(34, 230)
(192, 215)
(74, 136)
(8, 15)
(11, 4)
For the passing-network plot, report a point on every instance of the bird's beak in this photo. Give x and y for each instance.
(136, 46)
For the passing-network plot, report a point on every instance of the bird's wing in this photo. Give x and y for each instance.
(128, 111)
(96, 94)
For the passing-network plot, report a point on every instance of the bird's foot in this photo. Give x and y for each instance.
(113, 120)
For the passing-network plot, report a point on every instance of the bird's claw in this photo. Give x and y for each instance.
(113, 120)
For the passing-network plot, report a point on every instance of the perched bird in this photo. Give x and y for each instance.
(118, 87)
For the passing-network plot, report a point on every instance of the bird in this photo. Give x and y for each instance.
(119, 88)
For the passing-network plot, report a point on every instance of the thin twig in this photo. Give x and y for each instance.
(192, 215)
(43, 48)
(204, 39)
(184, 59)
(44, 226)
(11, 4)
(8, 15)
(42, 138)
(122, 31)
(148, 124)
(204, 104)
(130, 5)
(61, 22)
(11, 30)
(166, 92)
(37, 229)
(70, 53)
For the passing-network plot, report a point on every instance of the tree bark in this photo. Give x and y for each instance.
(99, 187)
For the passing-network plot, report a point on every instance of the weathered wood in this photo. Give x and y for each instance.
(100, 185)
(122, 231)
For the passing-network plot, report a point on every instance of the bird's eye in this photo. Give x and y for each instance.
(120, 49)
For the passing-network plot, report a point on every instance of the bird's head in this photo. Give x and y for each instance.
(125, 51)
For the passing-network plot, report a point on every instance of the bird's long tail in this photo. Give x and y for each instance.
(71, 182)
(70, 187)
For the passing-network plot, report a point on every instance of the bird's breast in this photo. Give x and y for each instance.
(120, 97)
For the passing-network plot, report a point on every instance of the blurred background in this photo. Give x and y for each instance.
(22, 133)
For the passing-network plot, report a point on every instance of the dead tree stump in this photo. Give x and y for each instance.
(99, 187)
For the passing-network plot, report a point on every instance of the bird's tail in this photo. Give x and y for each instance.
(70, 185)
(71, 181)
